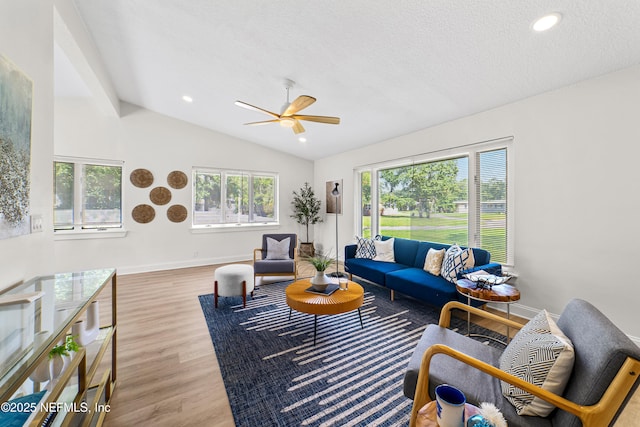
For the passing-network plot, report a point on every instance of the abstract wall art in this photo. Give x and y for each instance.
(16, 94)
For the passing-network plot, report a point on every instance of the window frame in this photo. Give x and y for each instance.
(472, 151)
(77, 227)
(224, 174)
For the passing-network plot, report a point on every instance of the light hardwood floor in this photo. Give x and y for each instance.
(168, 374)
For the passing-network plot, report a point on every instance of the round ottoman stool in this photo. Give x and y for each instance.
(233, 280)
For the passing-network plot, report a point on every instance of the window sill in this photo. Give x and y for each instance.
(200, 229)
(89, 234)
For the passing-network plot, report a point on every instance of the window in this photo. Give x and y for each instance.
(365, 197)
(87, 195)
(455, 196)
(423, 201)
(491, 212)
(223, 197)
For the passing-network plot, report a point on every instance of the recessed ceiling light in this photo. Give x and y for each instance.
(302, 139)
(546, 22)
(187, 98)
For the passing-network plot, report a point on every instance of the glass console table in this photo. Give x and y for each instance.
(39, 314)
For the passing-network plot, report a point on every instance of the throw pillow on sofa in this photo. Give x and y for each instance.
(384, 250)
(365, 248)
(540, 354)
(455, 260)
(433, 261)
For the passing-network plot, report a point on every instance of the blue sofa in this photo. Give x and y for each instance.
(406, 274)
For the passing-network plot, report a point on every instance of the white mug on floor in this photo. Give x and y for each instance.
(450, 406)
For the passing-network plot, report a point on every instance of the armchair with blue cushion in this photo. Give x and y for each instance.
(278, 256)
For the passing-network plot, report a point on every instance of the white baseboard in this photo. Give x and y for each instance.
(180, 264)
(527, 312)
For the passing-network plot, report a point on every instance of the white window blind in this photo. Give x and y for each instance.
(491, 212)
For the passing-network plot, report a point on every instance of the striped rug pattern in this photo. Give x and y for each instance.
(275, 376)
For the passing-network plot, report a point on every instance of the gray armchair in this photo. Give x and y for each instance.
(264, 266)
(604, 375)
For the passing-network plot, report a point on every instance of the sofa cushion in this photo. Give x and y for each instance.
(539, 354)
(384, 250)
(417, 283)
(433, 261)
(274, 266)
(456, 260)
(404, 251)
(374, 271)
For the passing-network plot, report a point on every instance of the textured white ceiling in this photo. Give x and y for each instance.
(385, 67)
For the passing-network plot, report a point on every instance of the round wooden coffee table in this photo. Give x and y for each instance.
(504, 294)
(312, 303)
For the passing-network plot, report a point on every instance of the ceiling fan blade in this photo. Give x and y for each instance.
(301, 102)
(319, 119)
(254, 108)
(262, 123)
(298, 128)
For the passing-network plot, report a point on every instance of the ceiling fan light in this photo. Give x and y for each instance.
(287, 122)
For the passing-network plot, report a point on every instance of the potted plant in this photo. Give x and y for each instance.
(306, 210)
(320, 262)
(58, 357)
(59, 354)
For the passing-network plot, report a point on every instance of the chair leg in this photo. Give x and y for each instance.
(215, 294)
(393, 294)
(244, 294)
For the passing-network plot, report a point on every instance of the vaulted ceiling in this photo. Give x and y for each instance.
(385, 67)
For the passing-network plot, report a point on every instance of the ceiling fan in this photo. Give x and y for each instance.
(288, 117)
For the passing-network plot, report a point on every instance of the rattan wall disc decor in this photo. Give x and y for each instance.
(160, 195)
(143, 214)
(177, 213)
(177, 180)
(141, 178)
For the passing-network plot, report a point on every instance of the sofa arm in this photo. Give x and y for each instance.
(350, 251)
(491, 268)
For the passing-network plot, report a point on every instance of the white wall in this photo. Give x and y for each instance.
(25, 39)
(576, 192)
(144, 139)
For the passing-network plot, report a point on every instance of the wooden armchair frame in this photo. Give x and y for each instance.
(599, 414)
(257, 256)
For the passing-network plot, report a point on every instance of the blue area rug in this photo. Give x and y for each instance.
(275, 376)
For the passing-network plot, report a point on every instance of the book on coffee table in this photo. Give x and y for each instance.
(328, 291)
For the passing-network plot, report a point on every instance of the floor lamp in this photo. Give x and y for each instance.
(335, 193)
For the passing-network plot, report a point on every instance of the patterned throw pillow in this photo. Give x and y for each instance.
(433, 261)
(366, 248)
(384, 250)
(540, 354)
(456, 259)
(278, 249)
